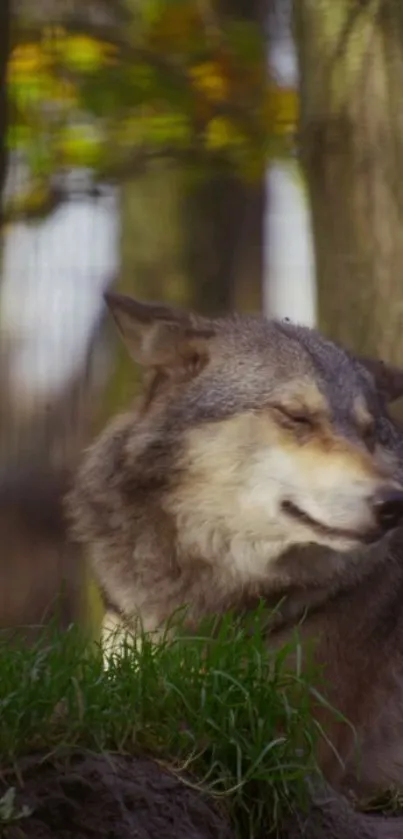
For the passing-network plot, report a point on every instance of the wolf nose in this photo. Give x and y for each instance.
(388, 509)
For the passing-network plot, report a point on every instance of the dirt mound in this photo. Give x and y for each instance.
(83, 796)
(87, 796)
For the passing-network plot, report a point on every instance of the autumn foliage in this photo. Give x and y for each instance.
(179, 81)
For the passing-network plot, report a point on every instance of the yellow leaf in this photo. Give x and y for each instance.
(208, 79)
(282, 109)
(27, 60)
(167, 128)
(220, 133)
(85, 53)
(78, 145)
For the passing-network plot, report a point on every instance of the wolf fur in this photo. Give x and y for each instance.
(260, 462)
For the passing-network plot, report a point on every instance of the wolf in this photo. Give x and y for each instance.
(261, 462)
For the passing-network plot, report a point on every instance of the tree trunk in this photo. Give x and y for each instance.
(152, 237)
(351, 65)
(152, 261)
(224, 221)
(224, 227)
(39, 574)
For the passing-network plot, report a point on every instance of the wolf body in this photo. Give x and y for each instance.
(260, 462)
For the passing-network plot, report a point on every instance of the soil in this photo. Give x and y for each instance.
(86, 796)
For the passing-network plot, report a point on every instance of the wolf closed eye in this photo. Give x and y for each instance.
(295, 419)
(260, 462)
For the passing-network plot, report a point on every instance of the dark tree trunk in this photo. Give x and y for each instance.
(225, 244)
(224, 222)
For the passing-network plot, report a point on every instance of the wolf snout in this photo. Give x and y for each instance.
(388, 509)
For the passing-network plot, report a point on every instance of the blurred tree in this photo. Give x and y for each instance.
(170, 100)
(224, 243)
(351, 63)
(183, 81)
(225, 210)
(152, 254)
(5, 45)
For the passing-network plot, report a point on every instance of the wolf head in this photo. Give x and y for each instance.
(260, 435)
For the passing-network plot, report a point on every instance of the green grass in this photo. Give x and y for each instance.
(233, 716)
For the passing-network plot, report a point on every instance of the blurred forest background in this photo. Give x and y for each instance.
(217, 154)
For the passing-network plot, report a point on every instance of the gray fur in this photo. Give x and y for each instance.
(130, 506)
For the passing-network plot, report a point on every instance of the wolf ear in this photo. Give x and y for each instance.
(158, 336)
(388, 379)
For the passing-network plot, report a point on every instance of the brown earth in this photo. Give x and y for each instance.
(80, 795)
(87, 796)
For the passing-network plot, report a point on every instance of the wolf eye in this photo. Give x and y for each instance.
(301, 419)
(295, 419)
